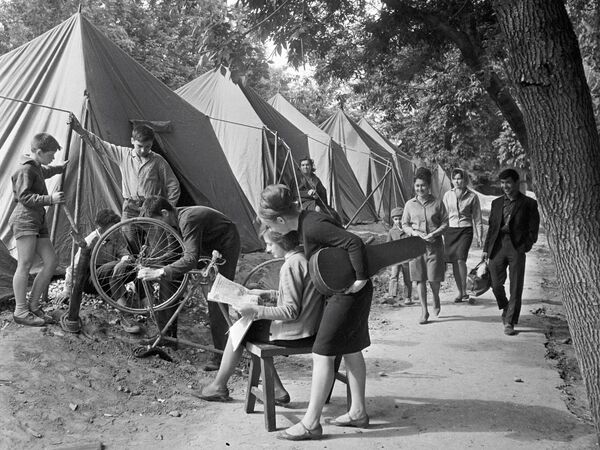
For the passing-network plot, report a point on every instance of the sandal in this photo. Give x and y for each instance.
(70, 326)
(307, 435)
(218, 396)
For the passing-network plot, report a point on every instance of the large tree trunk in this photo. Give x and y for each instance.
(564, 149)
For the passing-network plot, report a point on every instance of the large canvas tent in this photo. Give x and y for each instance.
(252, 149)
(373, 166)
(7, 269)
(74, 67)
(406, 168)
(332, 167)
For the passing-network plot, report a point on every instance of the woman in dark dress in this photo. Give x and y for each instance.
(344, 326)
(312, 192)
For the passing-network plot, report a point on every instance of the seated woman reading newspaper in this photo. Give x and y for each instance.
(293, 321)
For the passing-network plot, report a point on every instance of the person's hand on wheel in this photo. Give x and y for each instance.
(149, 274)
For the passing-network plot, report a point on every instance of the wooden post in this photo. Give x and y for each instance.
(81, 274)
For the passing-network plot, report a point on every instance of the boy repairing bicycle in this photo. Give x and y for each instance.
(28, 224)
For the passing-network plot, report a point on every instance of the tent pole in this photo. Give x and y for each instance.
(275, 148)
(60, 187)
(367, 199)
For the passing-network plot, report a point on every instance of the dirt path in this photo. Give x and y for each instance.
(457, 383)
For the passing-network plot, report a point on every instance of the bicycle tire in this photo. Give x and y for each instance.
(159, 244)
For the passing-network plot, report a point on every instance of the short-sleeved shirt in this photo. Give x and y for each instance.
(141, 178)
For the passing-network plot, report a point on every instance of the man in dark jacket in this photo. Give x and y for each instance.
(513, 229)
(203, 230)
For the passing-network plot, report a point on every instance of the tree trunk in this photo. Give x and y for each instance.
(546, 69)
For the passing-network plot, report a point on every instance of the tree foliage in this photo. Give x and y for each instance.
(172, 39)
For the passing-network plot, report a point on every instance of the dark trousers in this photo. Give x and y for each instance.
(507, 257)
(229, 246)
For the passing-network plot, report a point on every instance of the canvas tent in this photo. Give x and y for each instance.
(251, 148)
(372, 164)
(74, 67)
(7, 269)
(332, 167)
(406, 168)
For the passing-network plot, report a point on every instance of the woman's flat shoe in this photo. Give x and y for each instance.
(30, 320)
(347, 421)
(217, 396)
(308, 435)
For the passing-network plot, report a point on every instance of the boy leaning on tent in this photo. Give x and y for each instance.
(30, 230)
(144, 173)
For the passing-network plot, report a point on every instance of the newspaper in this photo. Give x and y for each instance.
(227, 291)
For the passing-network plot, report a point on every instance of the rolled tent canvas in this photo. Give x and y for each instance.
(74, 67)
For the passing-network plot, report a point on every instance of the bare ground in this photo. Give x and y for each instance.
(457, 382)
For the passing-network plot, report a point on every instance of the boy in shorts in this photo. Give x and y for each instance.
(28, 224)
(395, 233)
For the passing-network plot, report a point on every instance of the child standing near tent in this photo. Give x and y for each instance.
(395, 233)
(28, 225)
(144, 173)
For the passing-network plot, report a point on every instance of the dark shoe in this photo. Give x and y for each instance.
(218, 396)
(424, 319)
(282, 400)
(29, 320)
(437, 310)
(70, 326)
(128, 327)
(308, 435)
(466, 298)
(42, 315)
(347, 421)
(458, 299)
(509, 330)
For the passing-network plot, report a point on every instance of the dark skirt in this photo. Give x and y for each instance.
(259, 332)
(457, 242)
(344, 327)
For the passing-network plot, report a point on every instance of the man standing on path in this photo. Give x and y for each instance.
(513, 229)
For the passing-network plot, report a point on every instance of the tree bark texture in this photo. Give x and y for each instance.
(546, 68)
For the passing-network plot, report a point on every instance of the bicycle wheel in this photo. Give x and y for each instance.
(265, 275)
(153, 244)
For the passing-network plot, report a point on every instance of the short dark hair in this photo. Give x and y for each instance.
(154, 204)
(423, 173)
(44, 142)
(458, 171)
(287, 241)
(142, 133)
(310, 160)
(106, 217)
(509, 173)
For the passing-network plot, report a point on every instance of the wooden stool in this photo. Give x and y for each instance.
(262, 366)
